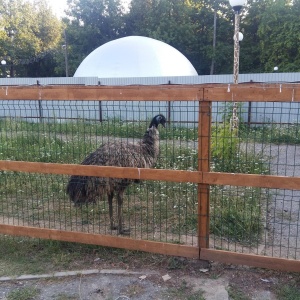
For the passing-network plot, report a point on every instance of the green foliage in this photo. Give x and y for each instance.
(276, 22)
(224, 148)
(37, 32)
(187, 26)
(280, 25)
(229, 155)
(89, 24)
(271, 33)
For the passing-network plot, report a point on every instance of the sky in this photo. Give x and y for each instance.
(59, 6)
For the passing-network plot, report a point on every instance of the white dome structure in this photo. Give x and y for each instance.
(135, 56)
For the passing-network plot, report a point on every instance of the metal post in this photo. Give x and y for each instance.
(234, 121)
(66, 54)
(236, 59)
(214, 44)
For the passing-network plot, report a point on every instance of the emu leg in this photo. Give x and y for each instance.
(120, 214)
(110, 197)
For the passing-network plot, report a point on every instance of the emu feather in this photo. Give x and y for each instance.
(86, 189)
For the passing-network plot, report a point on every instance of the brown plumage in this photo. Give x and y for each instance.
(85, 189)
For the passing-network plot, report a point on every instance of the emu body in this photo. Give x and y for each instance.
(143, 154)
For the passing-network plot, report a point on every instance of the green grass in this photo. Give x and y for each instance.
(65, 297)
(31, 256)
(21, 255)
(289, 292)
(236, 213)
(270, 133)
(26, 293)
(236, 294)
(184, 291)
(158, 210)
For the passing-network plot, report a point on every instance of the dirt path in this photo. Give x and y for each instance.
(283, 236)
(192, 280)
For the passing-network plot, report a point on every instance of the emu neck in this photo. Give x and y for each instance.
(151, 143)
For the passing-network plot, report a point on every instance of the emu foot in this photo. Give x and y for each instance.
(121, 230)
(124, 231)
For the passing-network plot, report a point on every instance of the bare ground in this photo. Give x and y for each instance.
(283, 228)
(188, 279)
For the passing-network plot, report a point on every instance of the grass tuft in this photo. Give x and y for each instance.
(25, 293)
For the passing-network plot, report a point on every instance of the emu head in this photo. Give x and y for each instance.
(158, 119)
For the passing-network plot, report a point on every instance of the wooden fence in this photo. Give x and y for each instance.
(204, 95)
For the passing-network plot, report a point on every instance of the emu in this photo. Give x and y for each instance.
(143, 154)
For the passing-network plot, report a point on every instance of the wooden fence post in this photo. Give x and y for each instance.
(203, 166)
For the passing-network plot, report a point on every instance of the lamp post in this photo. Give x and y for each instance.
(65, 47)
(237, 5)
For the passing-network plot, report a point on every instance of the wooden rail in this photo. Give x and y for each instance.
(199, 177)
(254, 92)
(101, 240)
(250, 260)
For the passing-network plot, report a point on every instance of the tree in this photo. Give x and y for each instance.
(186, 25)
(90, 24)
(30, 34)
(279, 33)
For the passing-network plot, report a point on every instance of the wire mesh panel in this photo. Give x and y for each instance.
(245, 219)
(253, 219)
(70, 131)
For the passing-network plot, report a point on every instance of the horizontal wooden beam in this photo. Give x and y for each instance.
(253, 92)
(216, 178)
(101, 171)
(253, 180)
(103, 93)
(250, 260)
(101, 240)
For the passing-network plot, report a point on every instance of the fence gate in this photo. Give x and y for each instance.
(216, 192)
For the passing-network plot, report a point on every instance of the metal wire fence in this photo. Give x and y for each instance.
(242, 219)
(153, 210)
(252, 219)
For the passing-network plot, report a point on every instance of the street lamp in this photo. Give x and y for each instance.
(241, 37)
(65, 48)
(237, 5)
(11, 34)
